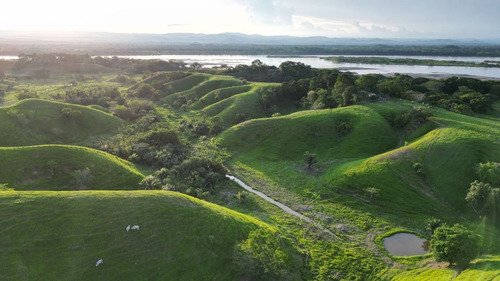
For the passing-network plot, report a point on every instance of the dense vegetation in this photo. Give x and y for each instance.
(408, 61)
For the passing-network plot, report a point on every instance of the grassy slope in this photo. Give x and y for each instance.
(61, 235)
(52, 167)
(35, 121)
(365, 157)
(185, 83)
(203, 88)
(246, 104)
(482, 269)
(219, 94)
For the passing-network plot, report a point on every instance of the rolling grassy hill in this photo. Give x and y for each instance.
(371, 155)
(203, 88)
(56, 167)
(34, 121)
(61, 235)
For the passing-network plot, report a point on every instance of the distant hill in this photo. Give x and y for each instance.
(221, 38)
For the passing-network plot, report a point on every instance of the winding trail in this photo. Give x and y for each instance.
(281, 206)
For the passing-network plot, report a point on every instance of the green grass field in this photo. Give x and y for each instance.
(61, 235)
(53, 167)
(35, 121)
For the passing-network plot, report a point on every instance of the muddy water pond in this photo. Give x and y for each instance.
(405, 244)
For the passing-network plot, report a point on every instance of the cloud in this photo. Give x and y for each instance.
(267, 11)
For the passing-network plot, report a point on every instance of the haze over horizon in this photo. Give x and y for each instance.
(435, 19)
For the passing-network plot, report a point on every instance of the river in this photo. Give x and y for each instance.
(317, 62)
(360, 68)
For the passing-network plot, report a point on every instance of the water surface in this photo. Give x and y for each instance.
(405, 244)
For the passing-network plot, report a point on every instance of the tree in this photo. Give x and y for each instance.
(432, 224)
(454, 244)
(83, 177)
(372, 191)
(150, 182)
(489, 172)
(482, 197)
(310, 159)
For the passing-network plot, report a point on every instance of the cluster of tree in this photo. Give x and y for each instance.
(202, 126)
(65, 61)
(102, 96)
(258, 71)
(148, 141)
(408, 61)
(331, 88)
(199, 172)
(341, 49)
(133, 109)
(483, 195)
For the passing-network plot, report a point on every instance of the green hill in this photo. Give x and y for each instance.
(218, 95)
(61, 235)
(36, 121)
(372, 154)
(198, 91)
(63, 167)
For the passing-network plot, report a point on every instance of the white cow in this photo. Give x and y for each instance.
(99, 262)
(127, 228)
(135, 227)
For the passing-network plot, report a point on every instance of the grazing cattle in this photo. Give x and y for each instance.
(99, 262)
(128, 228)
(135, 227)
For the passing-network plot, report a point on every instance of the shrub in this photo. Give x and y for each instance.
(454, 244)
(263, 256)
(150, 183)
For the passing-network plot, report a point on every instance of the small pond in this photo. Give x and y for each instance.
(405, 244)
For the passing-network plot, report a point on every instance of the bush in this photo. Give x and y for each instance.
(150, 183)
(263, 256)
(197, 172)
(71, 114)
(454, 244)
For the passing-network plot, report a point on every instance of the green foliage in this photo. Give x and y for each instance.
(483, 198)
(432, 224)
(263, 257)
(150, 183)
(454, 244)
(71, 114)
(201, 173)
(310, 159)
(489, 172)
(372, 191)
(83, 177)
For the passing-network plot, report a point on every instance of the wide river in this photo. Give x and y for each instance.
(360, 68)
(317, 62)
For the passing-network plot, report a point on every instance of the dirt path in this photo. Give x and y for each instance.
(281, 206)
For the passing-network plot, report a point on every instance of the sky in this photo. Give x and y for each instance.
(444, 19)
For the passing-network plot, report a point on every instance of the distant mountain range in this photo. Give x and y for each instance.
(219, 39)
